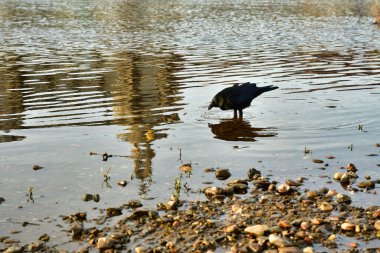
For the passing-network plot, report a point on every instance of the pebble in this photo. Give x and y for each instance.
(96, 198)
(76, 229)
(292, 182)
(134, 203)
(87, 197)
(377, 225)
(44, 238)
(141, 249)
(326, 206)
(14, 249)
(312, 194)
(10, 241)
(114, 211)
(172, 204)
(366, 184)
(279, 241)
(232, 229)
(2, 200)
(289, 250)
(37, 167)
(105, 243)
(338, 175)
(261, 183)
(317, 161)
(257, 230)
(316, 221)
(35, 246)
(186, 168)
(305, 225)
(284, 224)
(122, 182)
(342, 198)
(222, 174)
(347, 226)
(331, 193)
(283, 188)
(252, 173)
(351, 167)
(308, 250)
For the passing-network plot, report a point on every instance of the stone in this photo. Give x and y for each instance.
(368, 185)
(104, 243)
(14, 249)
(283, 188)
(351, 167)
(342, 198)
(289, 250)
(222, 174)
(284, 224)
(312, 194)
(338, 175)
(76, 229)
(114, 211)
(325, 206)
(87, 197)
(96, 198)
(347, 226)
(376, 225)
(35, 246)
(331, 193)
(252, 172)
(305, 225)
(186, 168)
(44, 238)
(257, 230)
(261, 183)
(232, 229)
(308, 250)
(122, 182)
(279, 241)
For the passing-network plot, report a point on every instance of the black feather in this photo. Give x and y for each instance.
(238, 97)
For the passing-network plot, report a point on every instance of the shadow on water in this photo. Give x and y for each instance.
(239, 130)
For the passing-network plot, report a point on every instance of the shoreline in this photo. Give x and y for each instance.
(248, 215)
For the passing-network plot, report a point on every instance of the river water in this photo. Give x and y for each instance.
(133, 79)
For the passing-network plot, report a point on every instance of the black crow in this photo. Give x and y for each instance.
(238, 97)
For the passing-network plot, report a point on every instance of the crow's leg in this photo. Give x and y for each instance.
(241, 113)
(235, 113)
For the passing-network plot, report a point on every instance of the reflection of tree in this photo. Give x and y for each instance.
(239, 130)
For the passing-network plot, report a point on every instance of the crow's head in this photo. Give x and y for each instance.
(217, 101)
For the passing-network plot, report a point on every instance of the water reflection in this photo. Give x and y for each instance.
(239, 130)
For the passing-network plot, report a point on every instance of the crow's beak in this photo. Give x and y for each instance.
(210, 106)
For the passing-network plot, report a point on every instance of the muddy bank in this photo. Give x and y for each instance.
(255, 214)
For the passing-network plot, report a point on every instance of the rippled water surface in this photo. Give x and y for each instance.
(133, 79)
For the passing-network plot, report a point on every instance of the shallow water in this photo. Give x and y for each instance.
(133, 79)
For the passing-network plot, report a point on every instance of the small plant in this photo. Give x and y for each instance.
(106, 177)
(29, 194)
(306, 151)
(360, 127)
(177, 186)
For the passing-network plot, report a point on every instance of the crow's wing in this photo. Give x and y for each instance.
(242, 95)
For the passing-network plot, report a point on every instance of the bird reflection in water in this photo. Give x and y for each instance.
(239, 130)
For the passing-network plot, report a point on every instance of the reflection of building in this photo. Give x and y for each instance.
(141, 90)
(10, 95)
